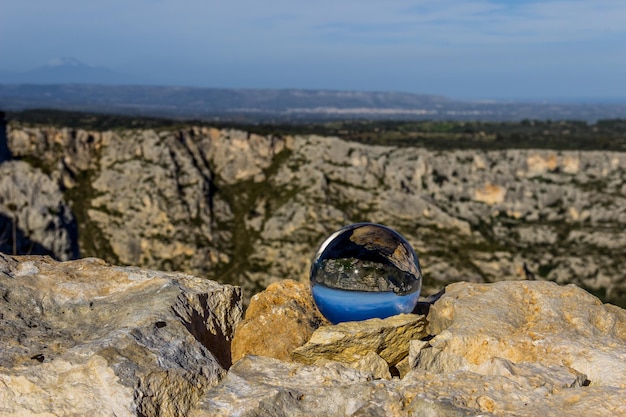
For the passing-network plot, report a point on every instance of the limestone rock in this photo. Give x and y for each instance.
(260, 386)
(536, 322)
(490, 194)
(278, 320)
(163, 218)
(251, 209)
(350, 341)
(85, 338)
(497, 395)
(372, 362)
(517, 358)
(242, 156)
(34, 212)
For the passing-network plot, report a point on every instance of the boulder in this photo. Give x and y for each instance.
(545, 393)
(524, 322)
(86, 338)
(278, 320)
(261, 386)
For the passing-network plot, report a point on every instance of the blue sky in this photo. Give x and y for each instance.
(458, 48)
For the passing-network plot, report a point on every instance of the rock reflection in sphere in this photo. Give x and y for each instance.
(364, 271)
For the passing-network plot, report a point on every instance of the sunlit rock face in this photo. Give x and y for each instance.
(251, 209)
(365, 271)
(87, 338)
(517, 348)
(278, 320)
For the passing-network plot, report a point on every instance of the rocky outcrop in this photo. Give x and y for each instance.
(86, 338)
(485, 328)
(259, 386)
(34, 217)
(173, 200)
(502, 349)
(278, 320)
(250, 209)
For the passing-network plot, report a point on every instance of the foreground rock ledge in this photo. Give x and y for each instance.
(87, 338)
(517, 348)
(524, 322)
(261, 386)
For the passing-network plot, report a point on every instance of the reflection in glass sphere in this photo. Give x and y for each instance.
(363, 271)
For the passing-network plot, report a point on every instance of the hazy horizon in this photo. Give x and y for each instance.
(462, 49)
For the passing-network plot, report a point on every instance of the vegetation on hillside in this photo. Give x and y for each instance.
(437, 135)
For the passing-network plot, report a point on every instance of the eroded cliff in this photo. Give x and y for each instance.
(250, 209)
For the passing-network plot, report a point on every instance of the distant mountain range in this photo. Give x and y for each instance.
(68, 84)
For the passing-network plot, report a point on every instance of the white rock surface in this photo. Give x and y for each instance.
(86, 338)
(261, 386)
(258, 385)
(525, 321)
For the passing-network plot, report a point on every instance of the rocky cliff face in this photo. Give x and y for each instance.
(34, 217)
(250, 209)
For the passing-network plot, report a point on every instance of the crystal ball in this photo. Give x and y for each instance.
(365, 271)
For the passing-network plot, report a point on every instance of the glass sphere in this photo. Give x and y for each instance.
(363, 271)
